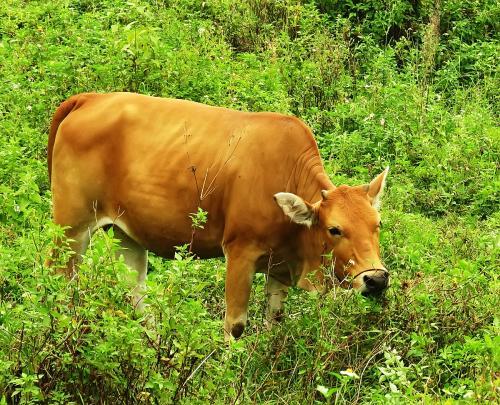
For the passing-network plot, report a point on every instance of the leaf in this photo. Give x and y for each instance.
(393, 387)
(327, 392)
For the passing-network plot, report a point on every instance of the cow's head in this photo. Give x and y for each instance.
(346, 223)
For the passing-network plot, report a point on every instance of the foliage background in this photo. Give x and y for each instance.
(410, 84)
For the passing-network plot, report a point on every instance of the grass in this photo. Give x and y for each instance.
(410, 87)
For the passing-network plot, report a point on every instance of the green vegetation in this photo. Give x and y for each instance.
(410, 84)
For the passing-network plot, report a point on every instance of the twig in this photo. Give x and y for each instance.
(197, 368)
(211, 186)
(376, 353)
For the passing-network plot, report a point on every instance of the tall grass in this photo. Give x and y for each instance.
(412, 85)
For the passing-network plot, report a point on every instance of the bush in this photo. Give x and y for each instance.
(408, 84)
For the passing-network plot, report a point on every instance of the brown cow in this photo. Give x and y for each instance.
(143, 164)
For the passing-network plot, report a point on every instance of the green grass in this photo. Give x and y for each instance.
(378, 87)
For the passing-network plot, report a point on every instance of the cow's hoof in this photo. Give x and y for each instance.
(237, 330)
(274, 318)
(278, 316)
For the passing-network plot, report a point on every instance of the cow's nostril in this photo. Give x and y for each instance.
(376, 283)
(369, 281)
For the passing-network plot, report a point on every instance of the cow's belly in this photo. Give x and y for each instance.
(163, 235)
(165, 246)
(158, 218)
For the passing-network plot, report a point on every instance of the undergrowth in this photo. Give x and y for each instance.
(410, 84)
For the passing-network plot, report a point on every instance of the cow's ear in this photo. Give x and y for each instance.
(299, 211)
(376, 188)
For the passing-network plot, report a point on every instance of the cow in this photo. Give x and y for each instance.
(143, 164)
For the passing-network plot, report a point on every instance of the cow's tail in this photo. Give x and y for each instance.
(61, 113)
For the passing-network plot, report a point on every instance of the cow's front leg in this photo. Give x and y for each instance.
(276, 293)
(239, 277)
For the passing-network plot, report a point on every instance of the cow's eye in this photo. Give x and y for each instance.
(335, 231)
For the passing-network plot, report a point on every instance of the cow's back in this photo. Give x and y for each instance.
(149, 162)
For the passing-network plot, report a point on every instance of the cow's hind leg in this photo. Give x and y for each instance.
(75, 214)
(276, 293)
(77, 240)
(136, 258)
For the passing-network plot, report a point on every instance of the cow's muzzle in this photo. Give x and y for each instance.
(374, 281)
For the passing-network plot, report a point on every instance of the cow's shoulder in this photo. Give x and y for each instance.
(288, 127)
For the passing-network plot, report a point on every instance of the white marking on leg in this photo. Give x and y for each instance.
(136, 258)
(276, 293)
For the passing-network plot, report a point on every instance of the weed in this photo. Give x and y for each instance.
(412, 85)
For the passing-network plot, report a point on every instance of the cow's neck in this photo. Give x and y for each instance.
(309, 256)
(309, 177)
